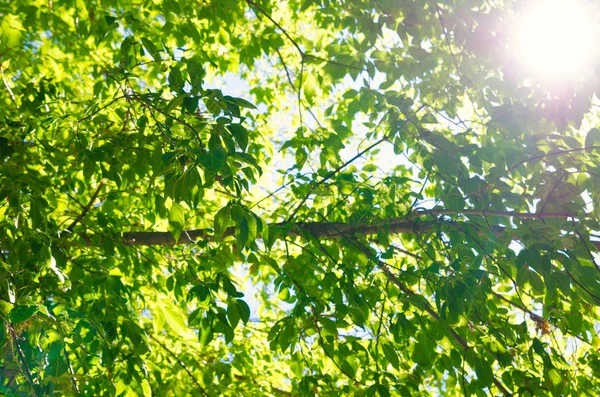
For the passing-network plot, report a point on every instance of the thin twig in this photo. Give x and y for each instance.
(300, 95)
(302, 53)
(101, 108)
(294, 88)
(274, 22)
(86, 208)
(589, 251)
(409, 293)
(377, 337)
(10, 92)
(552, 154)
(21, 361)
(166, 114)
(181, 363)
(454, 61)
(331, 174)
(543, 207)
(71, 371)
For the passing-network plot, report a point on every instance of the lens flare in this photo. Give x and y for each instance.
(557, 41)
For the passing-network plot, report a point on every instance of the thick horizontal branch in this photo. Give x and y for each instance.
(336, 229)
(520, 215)
(318, 229)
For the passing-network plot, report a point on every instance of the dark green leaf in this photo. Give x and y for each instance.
(20, 314)
(152, 49)
(390, 354)
(176, 220)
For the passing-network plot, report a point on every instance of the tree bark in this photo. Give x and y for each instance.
(334, 229)
(317, 229)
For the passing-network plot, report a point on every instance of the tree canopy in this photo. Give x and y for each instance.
(292, 198)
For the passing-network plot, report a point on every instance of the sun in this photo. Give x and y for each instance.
(557, 41)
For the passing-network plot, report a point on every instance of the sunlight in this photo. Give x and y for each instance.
(555, 40)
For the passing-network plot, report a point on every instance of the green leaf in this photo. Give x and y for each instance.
(245, 157)
(233, 313)
(175, 79)
(146, 388)
(242, 232)
(151, 48)
(370, 168)
(575, 323)
(176, 220)
(6, 307)
(215, 160)
(195, 71)
(241, 102)
(555, 377)
(522, 276)
(592, 139)
(538, 347)
(38, 218)
(206, 332)
(328, 325)
(11, 31)
(174, 318)
(174, 103)
(596, 209)
(252, 229)
(423, 352)
(536, 282)
(428, 118)
(484, 371)
(126, 46)
(244, 310)
(222, 219)
(390, 354)
(454, 200)
(190, 103)
(20, 314)
(240, 133)
(383, 390)
(201, 292)
(141, 123)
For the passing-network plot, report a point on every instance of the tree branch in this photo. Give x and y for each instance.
(181, 363)
(338, 230)
(21, 360)
(303, 54)
(331, 174)
(521, 215)
(553, 154)
(86, 208)
(285, 229)
(426, 306)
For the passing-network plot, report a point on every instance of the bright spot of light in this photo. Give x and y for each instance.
(557, 40)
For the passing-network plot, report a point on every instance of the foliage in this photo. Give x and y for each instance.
(390, 206)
